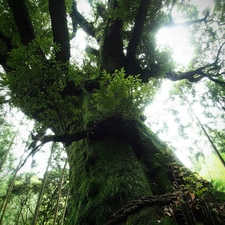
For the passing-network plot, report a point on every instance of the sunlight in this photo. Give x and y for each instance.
(178, 40)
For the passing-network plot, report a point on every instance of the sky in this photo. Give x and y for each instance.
(202, 4)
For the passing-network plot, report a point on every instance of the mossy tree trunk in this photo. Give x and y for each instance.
(113, 168)
(117, 165)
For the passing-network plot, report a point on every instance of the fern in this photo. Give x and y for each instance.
(122, 96)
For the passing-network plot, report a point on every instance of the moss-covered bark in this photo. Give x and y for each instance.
(112, 168)
(105, 176)
(108, 172)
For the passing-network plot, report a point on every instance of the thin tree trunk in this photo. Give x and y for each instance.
(210, 140)
(65, 207)
(41, 193)
(205, 132)
(18, 215)
(4, 204)
(59, 194)
(7, 151)
(10, 145)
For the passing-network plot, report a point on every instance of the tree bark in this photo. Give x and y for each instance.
(57, 10)
(112, 170)
(117, 178)
(22, 20)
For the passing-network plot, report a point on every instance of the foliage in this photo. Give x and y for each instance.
(25, 191)
(213, 170)
(122, 96)
(43, 83)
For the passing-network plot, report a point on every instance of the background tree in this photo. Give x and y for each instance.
(38, 199)
(94, 107)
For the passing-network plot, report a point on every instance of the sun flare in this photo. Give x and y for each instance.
(178, 40)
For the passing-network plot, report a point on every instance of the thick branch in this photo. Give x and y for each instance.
(187, 23)
(196, 75)
(3, 62)
(138, 28)
(110, 127)
(22, 20)
(92, 51)
(3, 56)
(111, 53)
(77, 18)
(57, 10)
(215, 80)
(75, 26)
(192, 76)
(102, 11)
(6, 40)
(67, 138)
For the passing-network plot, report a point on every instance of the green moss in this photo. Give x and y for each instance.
(106, 175)
(109, 173)
(146, 145)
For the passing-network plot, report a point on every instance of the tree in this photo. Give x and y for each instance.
(37, 200)
(95, 107)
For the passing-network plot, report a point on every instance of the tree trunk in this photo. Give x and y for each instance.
(41, 192)
(6, 200)
(59, 194)
(120, 163)
(110, 170)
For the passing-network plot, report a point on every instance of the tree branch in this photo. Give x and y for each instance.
(22, 20)
(193, 76)
(77, 18)
(6, 40)
(215, 80)
(109, 127)
(111, 54)
(75, 25)
(132, 63)
(218, 53)
(138, 28)
(101, 10)
(202, 72)
(92, 51)
(67, 139)
(187, 23)
(57, 10)
(3, 62)
(3, 56)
